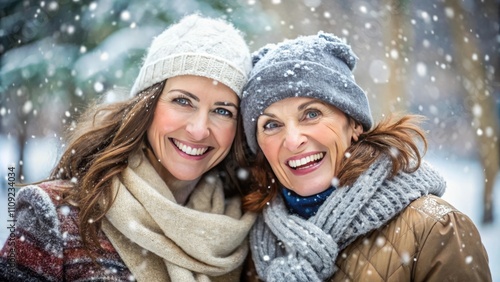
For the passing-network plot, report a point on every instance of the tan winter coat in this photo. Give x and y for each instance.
(429, 241)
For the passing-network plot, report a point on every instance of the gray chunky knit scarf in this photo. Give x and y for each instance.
(287, 247)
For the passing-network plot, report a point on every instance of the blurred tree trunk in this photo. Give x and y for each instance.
(470, 62)
(18, 129)
(395, 46)
(21, 142)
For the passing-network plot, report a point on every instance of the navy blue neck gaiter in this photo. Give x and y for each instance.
(305, 206)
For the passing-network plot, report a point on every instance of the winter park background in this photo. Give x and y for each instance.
(439, 58)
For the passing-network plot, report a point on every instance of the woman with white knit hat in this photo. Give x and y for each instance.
(146, 189)
(342, 199)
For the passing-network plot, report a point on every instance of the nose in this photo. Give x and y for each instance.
(197, 127)
(294, 138)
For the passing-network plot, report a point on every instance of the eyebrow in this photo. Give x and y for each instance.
(226, 104)
(267, 114)
(189, 94)
(300, 107)
(194, 97)
(306, 104)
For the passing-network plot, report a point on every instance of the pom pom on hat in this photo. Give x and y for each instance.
(200, 46)
(317, 66)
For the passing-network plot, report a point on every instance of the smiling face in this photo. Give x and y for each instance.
(304, 140)
(194, 125)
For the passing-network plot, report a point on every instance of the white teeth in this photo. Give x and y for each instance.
(306, 160)
(190, 151)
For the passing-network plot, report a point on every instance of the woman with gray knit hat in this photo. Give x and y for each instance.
(342, 199)
(146, 189)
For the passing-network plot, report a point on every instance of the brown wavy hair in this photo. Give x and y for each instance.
(98, 149)
(396, 137)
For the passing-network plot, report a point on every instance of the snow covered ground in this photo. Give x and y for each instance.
(464, 178)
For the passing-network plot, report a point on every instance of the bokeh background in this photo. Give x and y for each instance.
(440, 59)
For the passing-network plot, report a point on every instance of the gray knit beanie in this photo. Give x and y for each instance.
(318, 66)
(199, 46)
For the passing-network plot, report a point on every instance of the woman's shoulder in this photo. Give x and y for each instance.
(432, 207)
(427, 232)
(432, 214)
(443, 233)
(426, 217)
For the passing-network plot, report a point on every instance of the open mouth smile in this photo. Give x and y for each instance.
(188, 150)
(305, 162)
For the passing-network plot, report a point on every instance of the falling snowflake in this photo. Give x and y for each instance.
(125, 16)
(243, 174)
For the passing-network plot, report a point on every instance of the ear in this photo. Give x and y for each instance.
(357, 130)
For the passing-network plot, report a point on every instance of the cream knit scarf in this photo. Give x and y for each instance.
(288, 247)
(160, 240)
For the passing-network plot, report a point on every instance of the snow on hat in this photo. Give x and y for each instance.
(199, 46)
(317, 66)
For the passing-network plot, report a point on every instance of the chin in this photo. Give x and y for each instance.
(186, 176)
(308, 189)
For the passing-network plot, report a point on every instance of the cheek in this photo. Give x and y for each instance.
(225, 134)
(162, 124)
(270, 146)
(264, 143)
(338, 135)
(338, 140)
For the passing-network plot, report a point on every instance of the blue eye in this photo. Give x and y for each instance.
(312, 114)
(223, 112)
(182, 101)
(270, 125)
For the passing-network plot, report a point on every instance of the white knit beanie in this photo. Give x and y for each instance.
(206, 47)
